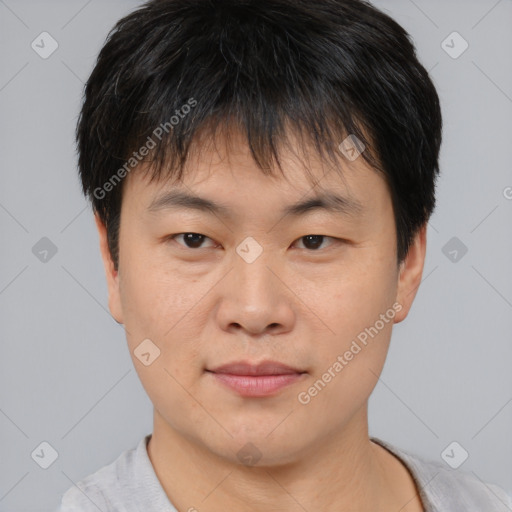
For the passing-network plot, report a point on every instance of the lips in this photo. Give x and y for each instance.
(263, 368)
(256, 380)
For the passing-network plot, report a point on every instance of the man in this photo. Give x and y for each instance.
(262, 174)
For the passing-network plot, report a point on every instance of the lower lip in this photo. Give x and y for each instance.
(256, 385)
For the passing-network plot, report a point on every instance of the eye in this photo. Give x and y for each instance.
(191, 240)
(313, 242)
(196, 241)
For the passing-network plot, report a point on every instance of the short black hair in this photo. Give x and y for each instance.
(325, 69)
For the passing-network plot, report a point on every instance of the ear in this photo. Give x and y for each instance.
(411, 270)
(114, 298)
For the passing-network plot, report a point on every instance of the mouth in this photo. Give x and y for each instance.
(256, 380)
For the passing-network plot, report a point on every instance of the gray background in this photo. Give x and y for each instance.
(65, 373)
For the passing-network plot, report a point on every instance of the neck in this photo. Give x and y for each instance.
(345, 471)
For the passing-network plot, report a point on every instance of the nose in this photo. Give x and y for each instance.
(256, 299)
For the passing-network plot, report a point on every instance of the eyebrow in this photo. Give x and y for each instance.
(327, 201)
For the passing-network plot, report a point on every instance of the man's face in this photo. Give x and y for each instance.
(256, 288)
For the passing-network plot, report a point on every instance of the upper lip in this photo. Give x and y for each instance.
(262, 368)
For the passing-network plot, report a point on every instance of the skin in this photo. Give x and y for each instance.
(295, 304)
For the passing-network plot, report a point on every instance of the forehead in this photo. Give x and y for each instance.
(222, 172)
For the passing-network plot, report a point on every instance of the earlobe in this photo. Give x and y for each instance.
(111, 274)
(411, 271)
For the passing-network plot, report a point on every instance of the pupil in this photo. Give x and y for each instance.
(193, 239)
(316, 239)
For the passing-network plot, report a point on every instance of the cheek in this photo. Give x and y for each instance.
(351, 357)
(357, 306)
(153, 295)
(161, 305)
(354, 296)
(157, 306)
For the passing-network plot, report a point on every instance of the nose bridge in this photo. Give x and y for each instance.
(255, 280)
(255, 299)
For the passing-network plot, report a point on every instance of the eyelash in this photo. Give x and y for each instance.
(173, 237)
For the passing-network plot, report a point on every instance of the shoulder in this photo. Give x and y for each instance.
(446, 489)
(108, 489)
